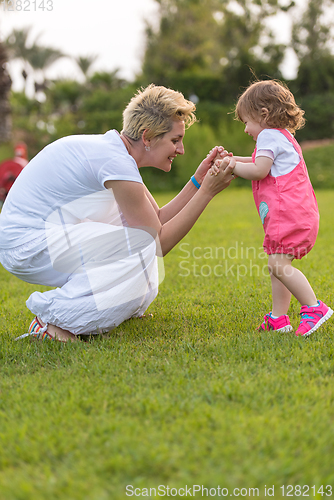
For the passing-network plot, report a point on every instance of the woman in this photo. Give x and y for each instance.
(79, 218)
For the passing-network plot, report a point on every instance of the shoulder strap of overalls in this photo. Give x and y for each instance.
(292, 140)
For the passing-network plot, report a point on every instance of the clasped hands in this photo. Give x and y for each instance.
(222, 160)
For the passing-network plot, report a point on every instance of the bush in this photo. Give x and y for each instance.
(320, 165)
(319, 114)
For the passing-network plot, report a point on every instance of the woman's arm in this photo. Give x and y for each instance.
(180, 201)
(139, 211)
(172, 208)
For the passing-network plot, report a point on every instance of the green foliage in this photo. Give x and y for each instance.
(310, 82)
(6, 151)
(198, 141)
(17, 43)
(311, 33)
(185, 42)
(319, 114)
(85, 63)
(208, 88)
(43, 57)
(212, 40)
(104, 108)
(194, 395)
(243, 48)
(64, 94)
(28, 122)
(207, 49)
(101, 110)
(320, 164)
(312, 39)
(5, 85)
(71, 108)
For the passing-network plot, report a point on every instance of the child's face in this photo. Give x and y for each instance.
(253, 127)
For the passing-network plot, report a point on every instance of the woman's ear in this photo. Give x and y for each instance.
(146, 142)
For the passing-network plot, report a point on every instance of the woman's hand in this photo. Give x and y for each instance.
(216, 152)
(219, 176)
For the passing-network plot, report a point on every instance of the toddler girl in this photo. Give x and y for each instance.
(284, 198)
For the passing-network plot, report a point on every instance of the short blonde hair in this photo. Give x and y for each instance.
(154, 109)
(277, 98)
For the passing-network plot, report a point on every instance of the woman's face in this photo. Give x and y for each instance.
(166, 148)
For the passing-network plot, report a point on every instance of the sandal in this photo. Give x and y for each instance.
(38, 331)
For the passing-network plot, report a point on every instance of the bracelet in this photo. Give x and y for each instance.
(197, 184)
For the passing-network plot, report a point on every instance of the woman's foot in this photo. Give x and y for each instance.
(58, 333)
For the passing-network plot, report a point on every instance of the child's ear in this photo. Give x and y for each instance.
(264, 114)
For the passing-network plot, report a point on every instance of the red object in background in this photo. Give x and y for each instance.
(10, 169)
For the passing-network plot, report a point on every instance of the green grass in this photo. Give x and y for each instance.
(193, 396)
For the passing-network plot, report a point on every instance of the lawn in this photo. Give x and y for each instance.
(192, 398)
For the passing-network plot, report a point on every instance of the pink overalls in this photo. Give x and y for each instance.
(288, 209)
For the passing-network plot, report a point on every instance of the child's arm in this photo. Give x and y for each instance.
(222, 153)
(247, 169)
(243, 159)
(254, 171)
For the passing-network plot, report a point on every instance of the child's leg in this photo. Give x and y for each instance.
(278, 319)
(313, 312)
(293, 279)
(281, 297)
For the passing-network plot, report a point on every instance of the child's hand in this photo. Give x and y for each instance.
(221, 165)
(218, 152)
(222, 153)
(214, 181)
(214, 170)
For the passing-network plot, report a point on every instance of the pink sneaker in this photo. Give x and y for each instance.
(312, 318)
(280, 324)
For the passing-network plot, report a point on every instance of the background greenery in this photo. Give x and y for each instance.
(200, 138)
(194, 395)
(208, 49)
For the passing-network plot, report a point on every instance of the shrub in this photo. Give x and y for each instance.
(319, 114)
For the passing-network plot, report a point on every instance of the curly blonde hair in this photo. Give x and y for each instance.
(154, 109)
(273, 95)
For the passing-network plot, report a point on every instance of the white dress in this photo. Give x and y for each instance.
(61, 228)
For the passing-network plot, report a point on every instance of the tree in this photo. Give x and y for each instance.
(17, 46)
(213, 38)
(41, 58)
(311, 34)
(85, 64)
(250, 45)
(185, 41)
(34, 57)
(312, 41)
(5, 85)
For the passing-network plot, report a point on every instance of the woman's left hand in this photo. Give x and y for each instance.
(217, 151)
